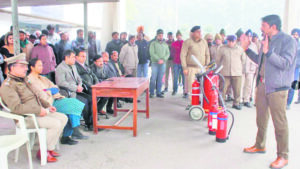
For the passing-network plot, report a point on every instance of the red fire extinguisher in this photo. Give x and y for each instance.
(212, 120)
(195, 93)
(221, 134)
(211, 93)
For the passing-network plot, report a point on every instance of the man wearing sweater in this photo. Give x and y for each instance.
(159, 53)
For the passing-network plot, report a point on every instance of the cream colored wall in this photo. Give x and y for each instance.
(291, 18)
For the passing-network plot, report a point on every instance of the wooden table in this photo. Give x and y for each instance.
(120, 87)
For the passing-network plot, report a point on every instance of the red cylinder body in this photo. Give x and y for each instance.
(221, 134)
(212, 120)
(195, 93)
(210, 92)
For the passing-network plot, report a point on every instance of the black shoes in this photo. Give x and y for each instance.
(174, 93)
(78, 135)
(110, 111)
(151, 95)
(247, 104)
(229, 99)
(185, 95)
(238, 107)
(68, 140)
(160, 96)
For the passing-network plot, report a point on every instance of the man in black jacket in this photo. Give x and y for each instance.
(114, 45)
(143, 55)
(88, 78)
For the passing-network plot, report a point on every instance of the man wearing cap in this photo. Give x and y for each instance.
(19, 95)
(233, 58)
(159, 54)
(216, 47)
(194, 46)
(276, 60)
(129, 57)
(249, 72)
(169, 63)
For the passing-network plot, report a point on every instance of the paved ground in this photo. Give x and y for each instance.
(170, 140)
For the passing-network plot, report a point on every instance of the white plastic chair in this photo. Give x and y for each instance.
(12, 142)
(42, 135)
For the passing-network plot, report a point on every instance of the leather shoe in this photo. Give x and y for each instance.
(78, 135)
(174, 93)
(253, 150)
(68, 140)
(160, 96)
(279, 163)
(54, 154)
(247, 104)
(109, 111)
(238, 107)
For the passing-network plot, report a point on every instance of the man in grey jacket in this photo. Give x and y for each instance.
(276, 61)
(66, 76)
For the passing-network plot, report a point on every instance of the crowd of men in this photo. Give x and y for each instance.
(65, 64)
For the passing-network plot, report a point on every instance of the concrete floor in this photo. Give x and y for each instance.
(170, 140)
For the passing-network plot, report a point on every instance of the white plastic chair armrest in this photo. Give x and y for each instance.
(14, 117)
(34, 120)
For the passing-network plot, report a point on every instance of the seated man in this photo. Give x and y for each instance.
(99, 69)
(20, 97)
(67, 77)
(88, 77)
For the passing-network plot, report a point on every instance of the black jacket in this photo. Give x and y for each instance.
(114, 45)
(87, 76)
(143, 52)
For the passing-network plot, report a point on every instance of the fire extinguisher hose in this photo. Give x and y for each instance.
(232, 123)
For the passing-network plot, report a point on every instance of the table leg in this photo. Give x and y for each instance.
(135, 116)
(147, 103)
(95, 113)
(115, 106)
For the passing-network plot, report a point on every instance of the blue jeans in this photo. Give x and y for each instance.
(142, 70)
(292, 91)
(158, 71)
(73, 121)
(177, 70)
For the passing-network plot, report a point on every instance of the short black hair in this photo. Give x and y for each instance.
(131, 37)
(97, 57)
(79, 30)
(49, 27)
(45, 32)
(80, 49)
(273, 20)
(68, 53)
(114, 33)
(42, 35)
(32, 36)
(32, 63)
(61, 34)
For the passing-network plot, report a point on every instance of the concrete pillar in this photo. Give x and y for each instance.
(291, 15)
(15, 23)
(85, 20)
(113, 19)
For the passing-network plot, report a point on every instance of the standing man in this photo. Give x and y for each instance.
(123, 38)
(159, 53)
(295, 34)
(276, 61)
(197, 47)
(249, 73)
(233, 58)
(214, 49)
(169, 63)
(78, 43)
(61, 47)
(143, 55)
(53, 37)
(129, 57)
(114, 45)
